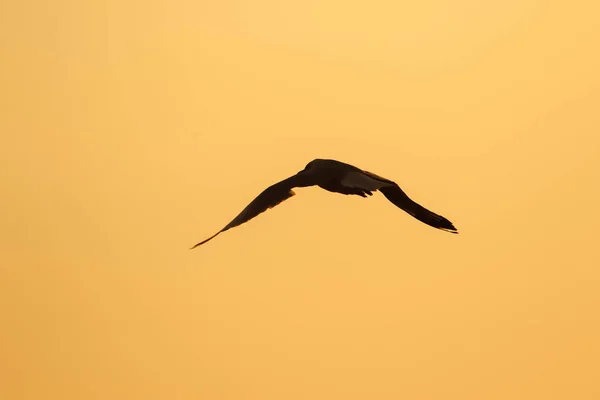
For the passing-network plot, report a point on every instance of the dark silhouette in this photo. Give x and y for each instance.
(337, 177)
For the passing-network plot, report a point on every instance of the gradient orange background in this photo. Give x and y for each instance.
(131, 130)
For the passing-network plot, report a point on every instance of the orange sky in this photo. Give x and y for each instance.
(131, 130)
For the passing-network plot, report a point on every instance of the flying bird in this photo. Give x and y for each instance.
(337, 177)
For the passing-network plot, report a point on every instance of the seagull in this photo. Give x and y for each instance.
(337, 177)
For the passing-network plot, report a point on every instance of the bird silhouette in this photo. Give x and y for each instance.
(337, 177)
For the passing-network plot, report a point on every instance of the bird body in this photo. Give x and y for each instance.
(337, 177)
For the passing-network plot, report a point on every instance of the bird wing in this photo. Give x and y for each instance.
(269, 198)
(369, 181)
(401, 200)
(364, 180)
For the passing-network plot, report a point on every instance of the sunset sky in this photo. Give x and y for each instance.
(130, 130)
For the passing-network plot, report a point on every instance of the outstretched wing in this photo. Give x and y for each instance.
(393, 193)
(401, 200)
(364, 180)
(269, 198)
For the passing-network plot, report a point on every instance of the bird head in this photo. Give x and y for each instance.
(310, 167)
